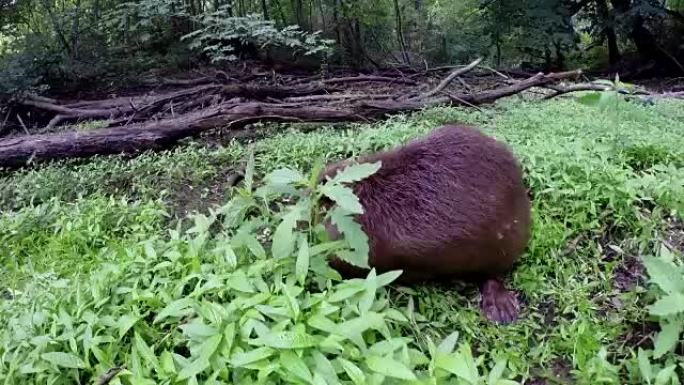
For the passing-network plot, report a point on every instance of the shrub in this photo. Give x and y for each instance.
(212, 304)
(221, 35)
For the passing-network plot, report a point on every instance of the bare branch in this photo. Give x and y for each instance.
(444, 83)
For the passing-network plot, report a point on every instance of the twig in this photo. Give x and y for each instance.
(21, 121)
(464, 84)
(492, 70)
(337, 97)
(561, 90)
(109, 375)
(460, 100)
(2, 126)
(449, 78)
(57, 119)
(367, 78)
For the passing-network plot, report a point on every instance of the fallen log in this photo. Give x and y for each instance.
(144, 107)
(17, 152)
(20, 151)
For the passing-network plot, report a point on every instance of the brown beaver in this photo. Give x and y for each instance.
(452, 204)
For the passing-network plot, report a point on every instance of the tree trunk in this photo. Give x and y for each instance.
(609, 32)
(400, 32)
(336, 20)
(264, 9)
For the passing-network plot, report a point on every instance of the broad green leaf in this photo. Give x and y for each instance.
(194, 368)
(345, 291)
(145, 352)
(321, 322)
(284, 176)
(666, 275)
(291, 362)
(354, 235)
(387, 347)
(125, 323)
(667, 338)
(321, 248)
(324, 367)
(353, 371)
(460, 364)
(395, 315)
(284, 237)
(239, 281)
(344, 197)
(254, 246)
(229, 255)
(302, 263)
(177, 308)
(209, 347)
(497, 372)
(368, 296)
(448, 345)
(667, 376)
(669, 305)
(198, 330)
(287, 340)
(645, 366)
(387, 278)
(246, 358)
(64, 360)
(390, 368)
(166, 362)
(357, 172)
(318, 379)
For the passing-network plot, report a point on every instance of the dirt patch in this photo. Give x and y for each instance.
(188, 198)
(628, 274)
(640, 335)
(557, 373)
(548, 311)
(674, 234)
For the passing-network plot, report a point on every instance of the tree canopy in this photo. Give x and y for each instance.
(66, 42)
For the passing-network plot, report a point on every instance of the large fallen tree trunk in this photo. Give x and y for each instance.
(23, 150)
(156, 135)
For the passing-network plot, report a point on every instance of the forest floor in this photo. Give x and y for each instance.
(607, 188)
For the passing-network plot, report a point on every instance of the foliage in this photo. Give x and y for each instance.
(145, 24)
(73, 43)
(220, 33)
(216, 306)
(593, 214)
(667, 273)
(65, 237)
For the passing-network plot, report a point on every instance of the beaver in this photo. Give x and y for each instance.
(449, 205)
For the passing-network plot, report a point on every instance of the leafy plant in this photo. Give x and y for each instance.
(610, 98)
(666, 272)
(655, 374)
(221, 33)
(230, 300)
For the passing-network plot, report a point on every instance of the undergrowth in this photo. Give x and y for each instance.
(89, 265)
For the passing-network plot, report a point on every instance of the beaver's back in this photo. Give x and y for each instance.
(451, 202)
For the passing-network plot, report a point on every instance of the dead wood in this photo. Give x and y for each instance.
(444, 83)
(562, 90)
(236, 113)
(369, 78)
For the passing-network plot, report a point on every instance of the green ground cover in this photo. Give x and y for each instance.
(97, 273)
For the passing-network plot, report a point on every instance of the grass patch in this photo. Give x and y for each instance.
(606, 190)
